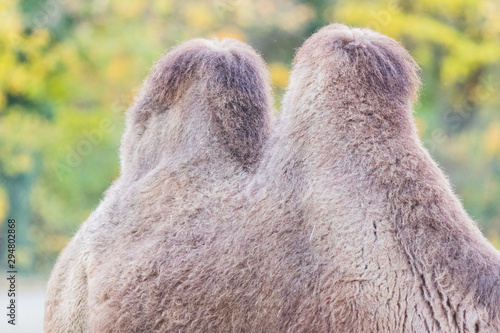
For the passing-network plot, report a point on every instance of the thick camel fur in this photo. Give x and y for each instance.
(337, 221)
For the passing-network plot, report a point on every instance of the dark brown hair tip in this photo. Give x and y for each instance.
(363, 55)
(190, 61)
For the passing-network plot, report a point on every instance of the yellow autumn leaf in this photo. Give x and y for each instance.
(38, 39)
(18, 80)
(199, 15)
(296, 18)
(230, 33)
(494, 237)
(163, 6)
(17, 164)
(3, 102)
(130, 8)
(279, 74)
(421, 125)
(24, 256)
(4, 204)
(118, 69)
(491, 139)
(55, 243)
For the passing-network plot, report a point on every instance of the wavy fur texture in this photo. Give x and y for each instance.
(339, 222)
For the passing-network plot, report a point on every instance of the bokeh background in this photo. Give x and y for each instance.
(69, 69)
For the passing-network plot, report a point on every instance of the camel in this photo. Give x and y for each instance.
(338, 220)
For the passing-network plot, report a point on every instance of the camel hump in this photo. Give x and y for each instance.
(221, 85)
(227, 67)
(365, 60)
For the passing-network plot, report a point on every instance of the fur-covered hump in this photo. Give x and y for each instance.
(196, 129)
(210, 95)
(363, 61)
(405, 256)
(343, 224)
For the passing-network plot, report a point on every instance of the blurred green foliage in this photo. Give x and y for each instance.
(69, 69)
